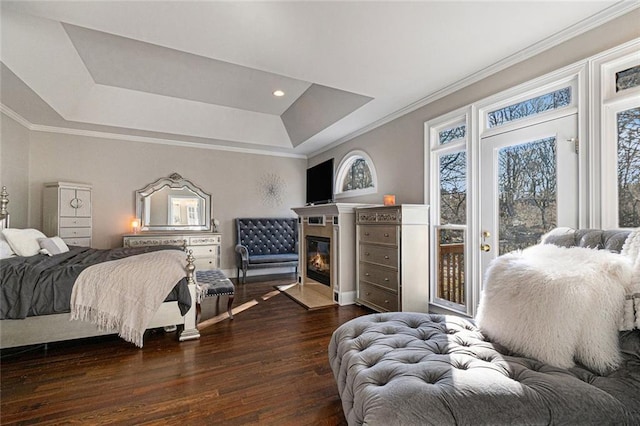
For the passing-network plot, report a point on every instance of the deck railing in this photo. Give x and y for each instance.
(451, 273)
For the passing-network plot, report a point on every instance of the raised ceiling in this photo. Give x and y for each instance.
(203, 73)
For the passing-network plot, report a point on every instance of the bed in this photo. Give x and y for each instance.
(404, 368)
(36, 294)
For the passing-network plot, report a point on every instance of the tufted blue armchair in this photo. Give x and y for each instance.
(266, 243)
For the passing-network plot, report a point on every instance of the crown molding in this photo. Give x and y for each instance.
(143, 139)
(612, 12)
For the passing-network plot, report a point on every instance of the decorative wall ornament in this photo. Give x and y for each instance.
(271, 189)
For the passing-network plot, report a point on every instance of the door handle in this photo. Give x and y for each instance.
(485, 247)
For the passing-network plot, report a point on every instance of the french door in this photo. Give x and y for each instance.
(529, 185)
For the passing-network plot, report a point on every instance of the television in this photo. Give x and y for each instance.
(320, 183)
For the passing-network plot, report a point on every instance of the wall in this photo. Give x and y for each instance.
(117, 168)
(14, 169)
(397, 148)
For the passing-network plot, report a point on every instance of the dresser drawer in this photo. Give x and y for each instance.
(72, 222)
(387, 256)
(386, 277)
(384, 299)
(380, 234)
(83, 242)
(205, 263)
(201, 252)
(75, 232)
(204, 241)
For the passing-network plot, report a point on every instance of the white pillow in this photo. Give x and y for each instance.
(53, 245)
(557, 304)
(24, 242)
(5, 248)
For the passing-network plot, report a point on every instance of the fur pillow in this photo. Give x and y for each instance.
(556, 304)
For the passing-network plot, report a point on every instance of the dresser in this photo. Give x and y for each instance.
(205, 246)
(66, 212)
(392, 248)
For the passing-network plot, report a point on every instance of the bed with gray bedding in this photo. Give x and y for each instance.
(42, 285)
(403, 368)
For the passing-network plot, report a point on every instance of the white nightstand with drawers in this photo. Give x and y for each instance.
(392, 249)
(204, 245)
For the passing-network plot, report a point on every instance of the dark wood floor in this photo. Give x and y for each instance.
(267, 366)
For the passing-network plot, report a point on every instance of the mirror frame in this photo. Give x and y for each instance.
(174, 181)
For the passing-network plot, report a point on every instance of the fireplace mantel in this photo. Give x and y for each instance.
(339, 226)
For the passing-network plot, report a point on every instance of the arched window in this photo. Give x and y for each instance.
(356, 175)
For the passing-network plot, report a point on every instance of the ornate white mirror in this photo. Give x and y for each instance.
(173, 204)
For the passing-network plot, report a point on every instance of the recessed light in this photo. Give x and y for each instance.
(278, 93)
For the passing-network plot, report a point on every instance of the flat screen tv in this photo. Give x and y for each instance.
(320, 183)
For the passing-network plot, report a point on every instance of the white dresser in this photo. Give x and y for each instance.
(66, 212)
(393, 257)
(204, 245)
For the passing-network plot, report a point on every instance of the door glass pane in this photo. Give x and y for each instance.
(628, 78)
(451, 283)
(527, 184)
(453, 188)
(550, 101)
(629, 168)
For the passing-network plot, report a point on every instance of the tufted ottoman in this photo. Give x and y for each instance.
(402, 368)
(213, 283)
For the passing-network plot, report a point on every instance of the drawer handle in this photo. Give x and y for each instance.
(366, 254)
(386, 257)
(366, 274)
(386, 301)
(366, 234)
(367, 294)
(386, 235)
(386, 279)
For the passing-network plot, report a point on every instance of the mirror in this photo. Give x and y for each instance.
(173, 204)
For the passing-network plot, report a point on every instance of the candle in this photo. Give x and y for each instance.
(389, 200)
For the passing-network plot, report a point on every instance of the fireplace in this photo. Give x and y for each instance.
(319, 259)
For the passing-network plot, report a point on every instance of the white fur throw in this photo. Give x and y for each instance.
(631, 249)
(557, 304)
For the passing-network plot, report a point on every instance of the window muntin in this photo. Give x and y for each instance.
(628, 167)
(547, 102)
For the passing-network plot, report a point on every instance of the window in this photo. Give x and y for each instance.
(549, 101)
(617, 86)
(447, 138)
(356, 175)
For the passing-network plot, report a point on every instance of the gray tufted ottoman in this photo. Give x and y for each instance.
(418, 369)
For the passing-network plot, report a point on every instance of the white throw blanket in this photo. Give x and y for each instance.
(631, 249)
(556, 304)
(123, 295)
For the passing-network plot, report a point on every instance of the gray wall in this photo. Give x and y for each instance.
(397, 148)
(117, 168)
(14, 168)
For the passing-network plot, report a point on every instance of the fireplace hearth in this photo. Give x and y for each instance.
(319, 259)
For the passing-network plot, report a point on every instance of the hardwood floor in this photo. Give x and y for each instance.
(267, 366)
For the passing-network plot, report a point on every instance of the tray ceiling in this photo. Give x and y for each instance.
(204, 73)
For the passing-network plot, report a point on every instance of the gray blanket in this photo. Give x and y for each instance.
(42, 285)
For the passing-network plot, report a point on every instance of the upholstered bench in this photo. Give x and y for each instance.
(266, 242)
(210, 283)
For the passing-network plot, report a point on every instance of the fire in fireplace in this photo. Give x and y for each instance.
(319, 259)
